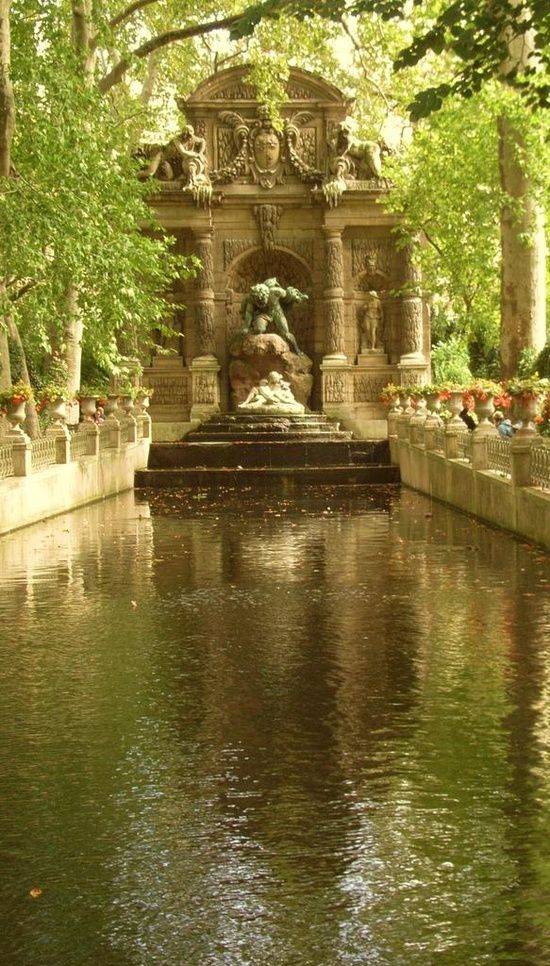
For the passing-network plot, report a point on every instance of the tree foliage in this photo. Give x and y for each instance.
(478, 35)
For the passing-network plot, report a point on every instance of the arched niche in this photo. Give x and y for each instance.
(288, 268)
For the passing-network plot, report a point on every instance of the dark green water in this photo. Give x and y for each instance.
(314, 735)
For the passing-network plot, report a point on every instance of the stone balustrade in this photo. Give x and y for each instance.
(503, 481)
(88, 441)
(63, 470)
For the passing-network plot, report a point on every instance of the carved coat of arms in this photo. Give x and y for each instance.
(263, 152)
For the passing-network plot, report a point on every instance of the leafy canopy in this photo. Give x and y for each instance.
(477, 34)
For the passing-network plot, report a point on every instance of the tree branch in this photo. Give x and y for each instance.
(129, 11)
(23, 290)
(163, 40)
(370, 80)
(434, 244)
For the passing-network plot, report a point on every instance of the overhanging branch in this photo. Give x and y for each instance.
(163, 40)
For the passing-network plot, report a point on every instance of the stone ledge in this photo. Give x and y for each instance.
(65, 486)
(523, 510)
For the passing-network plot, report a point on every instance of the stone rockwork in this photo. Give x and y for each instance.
(255, 356)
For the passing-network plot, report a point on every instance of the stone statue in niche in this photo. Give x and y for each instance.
(272, 395)
(263, 309)
(370, 321)
(182, 159)
(350, 158)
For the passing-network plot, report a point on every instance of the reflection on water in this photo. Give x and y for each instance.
(317, 735)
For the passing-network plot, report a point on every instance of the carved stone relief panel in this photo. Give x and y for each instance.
(205, 388)
(170, 390)
(267, 218)
(367, 388)
(238, 92)
(224, 146)
(233, 247)
(334, 387)
(308, 142)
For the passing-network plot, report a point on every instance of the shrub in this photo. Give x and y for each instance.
(450, 362)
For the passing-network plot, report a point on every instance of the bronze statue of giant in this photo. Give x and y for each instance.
(265, 344)
(263, 310)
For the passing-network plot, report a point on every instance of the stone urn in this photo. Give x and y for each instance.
(484, 408)
(143, 401)
(405, 402)
(127, 404)
(455, 404)
(527, 407)
(395, 407)
(433, 404)
(16, 413)
(88, 406)
(418, 419)
(111, 406)
(57, 411)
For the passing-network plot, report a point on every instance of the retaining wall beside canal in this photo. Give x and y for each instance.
(55, 474)
(504, 482)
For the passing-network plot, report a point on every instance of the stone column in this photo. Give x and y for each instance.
(333, 296)
(205, 390)
(204, 288)
(411, 320)
(336, 387)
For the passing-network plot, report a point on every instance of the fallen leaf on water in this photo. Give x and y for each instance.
(35, 892)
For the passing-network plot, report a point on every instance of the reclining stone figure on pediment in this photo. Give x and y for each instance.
(350, 159)
(182, 159)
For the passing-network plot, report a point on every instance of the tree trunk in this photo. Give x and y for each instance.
(523, 282)
(7, 101)
(32, 426)
(7, 126)
(83, 37)
(5, 368)
(73, 338)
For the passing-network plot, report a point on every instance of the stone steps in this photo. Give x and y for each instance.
(230, 476)
(234, 449)
(259, 437)
(275, 453)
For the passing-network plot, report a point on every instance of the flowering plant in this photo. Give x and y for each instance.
(503, 401)
(389, 393)
(481, 389)
(15, 395)
(91, 392)
(126, 389)
(144, 391)
(446, 388)
(52, 391)
(530, 387)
